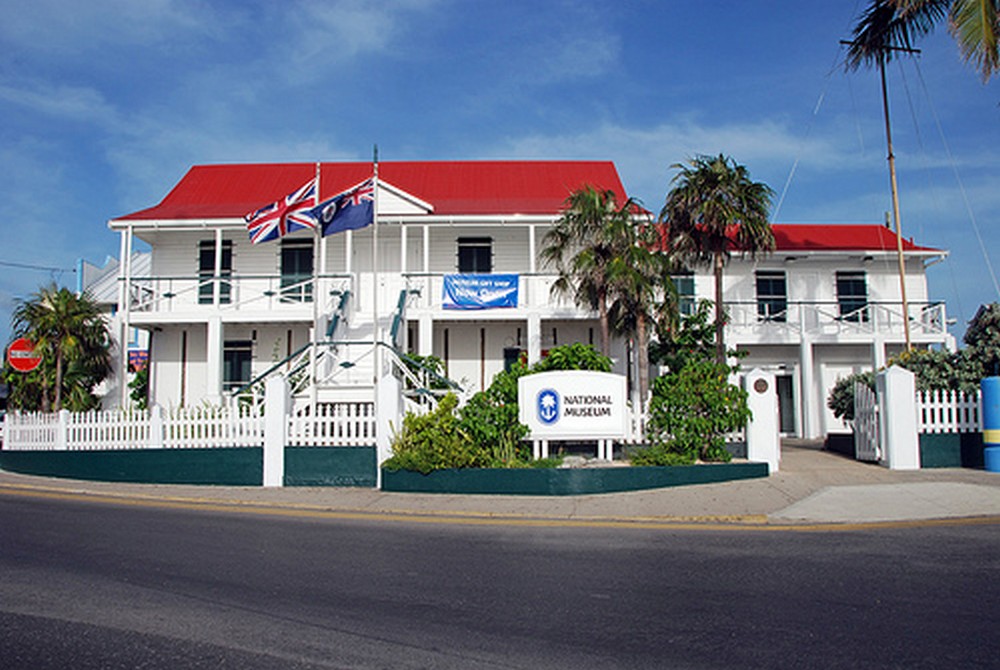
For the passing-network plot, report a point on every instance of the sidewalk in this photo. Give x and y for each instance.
(812, 486)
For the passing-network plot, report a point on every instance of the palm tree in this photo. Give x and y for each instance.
(581, 246)
(713, 209)
(71, 335)
(640, 288)
(888, 25)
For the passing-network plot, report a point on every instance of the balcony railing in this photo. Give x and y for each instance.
(232, 292)
(424, 291)
(829, 318)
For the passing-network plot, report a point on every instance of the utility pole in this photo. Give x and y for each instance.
(882, 51)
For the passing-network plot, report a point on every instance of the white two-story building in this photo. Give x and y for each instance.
(222, 312)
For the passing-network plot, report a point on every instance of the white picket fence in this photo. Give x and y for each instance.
(343, 424)
(867, 446)
(948, 412)
(333, 424)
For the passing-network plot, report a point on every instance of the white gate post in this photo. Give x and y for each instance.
(763, 443)
(62, 430)
(897, 401)
(388, 418)
(156, 427)
(275, 428)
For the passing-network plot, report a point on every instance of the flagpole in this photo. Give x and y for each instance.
(315, 299)
(377, 355)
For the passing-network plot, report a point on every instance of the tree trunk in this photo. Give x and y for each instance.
(642, 352)
(720, 311)
(58, 393)
(602, 310)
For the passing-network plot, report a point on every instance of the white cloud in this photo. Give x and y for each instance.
(66, 103)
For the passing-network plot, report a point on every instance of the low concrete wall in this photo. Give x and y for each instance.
(234, 466)
(951, 450)
(565, 481)
(330, 466)
(220, 466)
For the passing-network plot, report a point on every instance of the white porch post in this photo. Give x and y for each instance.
(213, 360)
(810, 410)
(217, 274)
(534, 338)
(425, 345)
(124, 306)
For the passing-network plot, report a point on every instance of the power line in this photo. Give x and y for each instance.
(26, 266)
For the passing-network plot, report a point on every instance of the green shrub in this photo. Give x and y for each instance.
(659, 455)
(433, 441)
(692, 410)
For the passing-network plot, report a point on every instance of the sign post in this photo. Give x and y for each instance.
(21, 355)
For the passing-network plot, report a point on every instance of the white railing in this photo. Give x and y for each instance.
(341, 424)
(948, 412)
(826, 318)
(233, 292)
(107, 430)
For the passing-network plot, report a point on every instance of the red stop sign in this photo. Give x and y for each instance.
(21, 354)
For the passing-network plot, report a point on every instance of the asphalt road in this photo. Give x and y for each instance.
(85, 585)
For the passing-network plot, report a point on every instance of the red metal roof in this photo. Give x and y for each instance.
(457, 188)
(838, 237)
(451, 187)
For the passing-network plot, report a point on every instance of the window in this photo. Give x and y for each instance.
(684, 285)
(852, 296)
(296, 271)
(206, 271)
(237, 357)
(772, 296)
(475, 255)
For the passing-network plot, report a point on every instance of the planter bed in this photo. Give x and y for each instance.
(565, 481)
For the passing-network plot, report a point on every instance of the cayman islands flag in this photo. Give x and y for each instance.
(284, 216)
(350, 210)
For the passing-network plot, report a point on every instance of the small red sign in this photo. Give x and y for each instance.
(21, 355)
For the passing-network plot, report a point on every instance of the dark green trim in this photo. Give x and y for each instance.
(951, 450)
(233, 466)
(565, 481)
(330, 466)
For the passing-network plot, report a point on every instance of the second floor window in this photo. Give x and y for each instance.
(475, 255)
(296, 271)
(206, 272)
(772, 296)
(852, 296)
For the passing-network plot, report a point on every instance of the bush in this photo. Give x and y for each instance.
(692, 410)
(433, 441)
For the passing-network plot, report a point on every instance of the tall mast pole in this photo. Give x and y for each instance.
(895, 203)
(375, 332)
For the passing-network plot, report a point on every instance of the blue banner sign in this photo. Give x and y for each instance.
(479, 291)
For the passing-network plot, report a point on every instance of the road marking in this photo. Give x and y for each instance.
(743, 523)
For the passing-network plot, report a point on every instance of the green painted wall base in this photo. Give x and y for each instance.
(565, 481)
(330, 466)
(236, 466)
(951, 450)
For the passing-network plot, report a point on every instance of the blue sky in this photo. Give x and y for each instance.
(105, 104)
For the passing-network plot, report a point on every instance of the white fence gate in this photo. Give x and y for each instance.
(867, 446)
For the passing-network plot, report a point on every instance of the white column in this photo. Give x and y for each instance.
(276, 405)
(213, 359)
(402, 248)
(810, 413)
(534, 338)
(426, 339)
(763, 442)
(155, 427)
(897, 401)
(878, 354)
(531, 249)
(216, 284)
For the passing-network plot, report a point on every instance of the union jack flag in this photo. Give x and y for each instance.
(284, 216)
